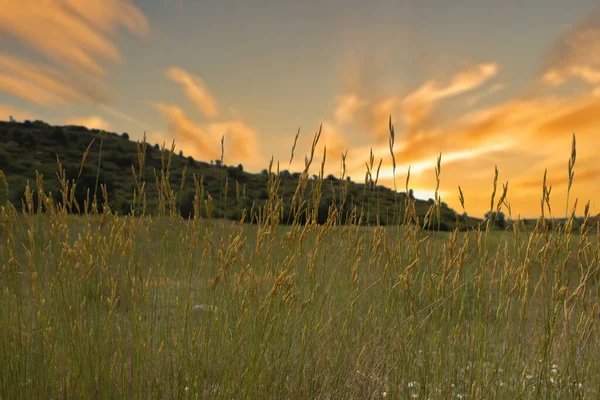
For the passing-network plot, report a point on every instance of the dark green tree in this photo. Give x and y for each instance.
(58, 135)
(497, 218)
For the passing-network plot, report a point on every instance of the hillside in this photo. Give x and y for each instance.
(33, 146)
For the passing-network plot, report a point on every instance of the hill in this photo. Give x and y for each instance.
(29, 146)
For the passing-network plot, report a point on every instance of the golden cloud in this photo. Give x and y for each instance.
(494, 89)
(43, 85)
(371, 113)
(7, 111)
(92, 122)
(203, 141)
(522, 137)
(193, 137)
(419, 105)
(575, 54)
(196, 91)
(72, 33)
(347, 106)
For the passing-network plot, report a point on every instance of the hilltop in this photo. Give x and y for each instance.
(30, 146)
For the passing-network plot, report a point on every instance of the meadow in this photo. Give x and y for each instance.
(97, 305)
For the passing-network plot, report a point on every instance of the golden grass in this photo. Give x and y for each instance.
(102, 306)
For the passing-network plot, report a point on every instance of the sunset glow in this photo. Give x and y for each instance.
(480, 89)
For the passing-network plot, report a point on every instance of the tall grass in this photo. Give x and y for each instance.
(102, 306)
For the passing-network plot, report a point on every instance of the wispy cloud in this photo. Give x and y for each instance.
(418, 106)
(121, 115)
(7, 111)
(575, 54)
(203, 141)
(370, 114)
(471, 101)
(521, 136)
(43, 85)
(73, 33)
(347, 106)
(369, 109)
(92, 122)
(196, 91)
(188, 134)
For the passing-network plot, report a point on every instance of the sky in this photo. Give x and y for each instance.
(485, 83)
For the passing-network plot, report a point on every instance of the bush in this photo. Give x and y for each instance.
(59, 136)
(28, 141)
(497, 218)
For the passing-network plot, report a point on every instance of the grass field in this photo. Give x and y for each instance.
(103, 306)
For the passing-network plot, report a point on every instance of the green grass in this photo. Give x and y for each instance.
(102, 305)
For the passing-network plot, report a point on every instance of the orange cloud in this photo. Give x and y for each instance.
(43, 85)
(371, 113)
(522, 137)
(195, 139)
(196, 91)
(582, 117)
(89, 122)
(332, 139)
(7, 111)
(419, 105)
(72, 33)
(203, 141)
(575, 54)
(475, 98)
(347, 106)
(240, 141)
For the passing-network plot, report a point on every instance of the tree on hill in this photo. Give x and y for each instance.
(497, 218)
(58, 134)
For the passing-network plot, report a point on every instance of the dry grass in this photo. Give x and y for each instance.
(101, 306)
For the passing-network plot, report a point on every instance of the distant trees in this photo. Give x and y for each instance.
(58, 135)
(190, 161)
(125, 136)
(497, 218)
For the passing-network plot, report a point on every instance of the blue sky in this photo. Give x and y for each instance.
(485, 83)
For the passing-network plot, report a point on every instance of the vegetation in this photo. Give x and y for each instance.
(36, 146)
(154, 305)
